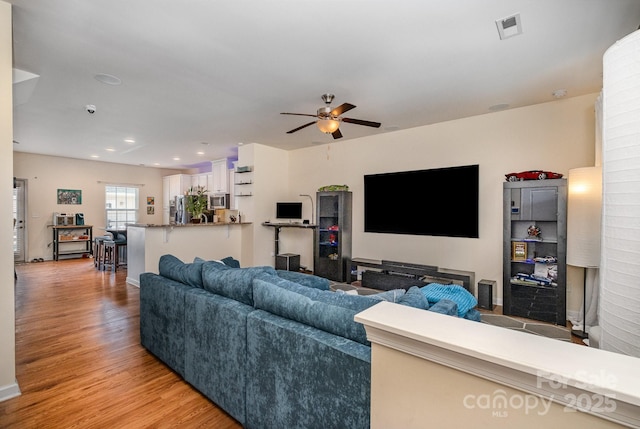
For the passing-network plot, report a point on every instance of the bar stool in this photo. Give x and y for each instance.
(121, 248)
(109, 258)
(113, 248)
(98, 251)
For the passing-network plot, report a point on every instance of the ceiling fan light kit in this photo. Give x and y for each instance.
(328, 120)
(328, 126)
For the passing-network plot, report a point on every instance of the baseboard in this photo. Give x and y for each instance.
(9, 391)
(573, 315)
(133, 282)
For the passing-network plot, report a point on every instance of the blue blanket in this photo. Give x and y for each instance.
(434, 292)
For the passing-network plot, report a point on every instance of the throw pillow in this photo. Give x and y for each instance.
(229, 261)
(446, 307)
(414, 298)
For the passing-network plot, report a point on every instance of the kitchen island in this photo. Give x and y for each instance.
(147, 242)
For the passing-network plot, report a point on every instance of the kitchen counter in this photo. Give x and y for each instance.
(146, 243)
(184, 225)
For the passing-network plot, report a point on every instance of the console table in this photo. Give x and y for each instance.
(78, 233)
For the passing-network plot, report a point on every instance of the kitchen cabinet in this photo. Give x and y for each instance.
(178, 185)
(220, 177)
(173, 186)
(200, 180)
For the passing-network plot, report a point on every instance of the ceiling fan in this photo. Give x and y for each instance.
(329, 119)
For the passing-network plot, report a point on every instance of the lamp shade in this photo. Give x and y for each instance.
(328, 126)
(620, 270)
(584, 214)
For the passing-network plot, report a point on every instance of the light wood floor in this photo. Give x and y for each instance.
(79, 361)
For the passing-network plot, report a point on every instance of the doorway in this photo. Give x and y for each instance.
(19, 216)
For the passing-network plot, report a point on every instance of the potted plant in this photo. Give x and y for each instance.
(196, 202)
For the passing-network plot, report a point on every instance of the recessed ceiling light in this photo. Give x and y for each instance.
(200, 152)
(110, 149)
(176, 158)
(129, 140)
(108, 79)
(240, 144)
(95, 156)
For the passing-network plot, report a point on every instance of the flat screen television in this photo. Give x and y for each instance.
(438, 202)
(289, 210)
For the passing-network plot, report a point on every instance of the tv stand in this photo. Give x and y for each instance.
(392, 274)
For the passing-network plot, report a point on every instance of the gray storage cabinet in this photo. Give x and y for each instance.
(332, 255)
(541, 204)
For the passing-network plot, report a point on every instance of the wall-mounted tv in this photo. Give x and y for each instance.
(289, 210)
(438, 202)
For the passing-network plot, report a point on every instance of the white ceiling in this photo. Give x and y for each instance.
(220, 72)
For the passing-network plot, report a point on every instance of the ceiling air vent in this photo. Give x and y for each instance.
(509, 26)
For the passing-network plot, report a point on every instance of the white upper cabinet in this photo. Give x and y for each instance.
(220, 174)
(173, 186)
(200, 180)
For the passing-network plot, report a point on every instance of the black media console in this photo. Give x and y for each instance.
(387, 275)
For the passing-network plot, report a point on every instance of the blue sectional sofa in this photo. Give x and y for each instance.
(274, 349)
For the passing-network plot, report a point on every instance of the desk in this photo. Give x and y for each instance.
(278, 226)
(65, 234)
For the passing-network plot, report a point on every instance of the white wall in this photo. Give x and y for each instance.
(46, 174)
(8, 386)
(555, 136)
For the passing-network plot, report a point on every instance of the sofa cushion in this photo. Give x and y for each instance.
(234, 283)
(352, 302)
(325, 310)
(434, 292)
(392, 295)
(173, 268)
(308, 280)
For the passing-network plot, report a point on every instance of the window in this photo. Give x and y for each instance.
(121, 206)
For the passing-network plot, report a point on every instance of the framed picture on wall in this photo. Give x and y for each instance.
(150, 210)
(69, 196)
(151, 201)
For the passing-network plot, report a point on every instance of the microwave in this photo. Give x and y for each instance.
(220, 201)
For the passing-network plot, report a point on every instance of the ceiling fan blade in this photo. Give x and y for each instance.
(301, 127)
(300, 114)
(361, 122)
(336, 134)
(345, 107)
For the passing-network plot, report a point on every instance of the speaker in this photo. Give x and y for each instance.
(288, 261)
(485, 294)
